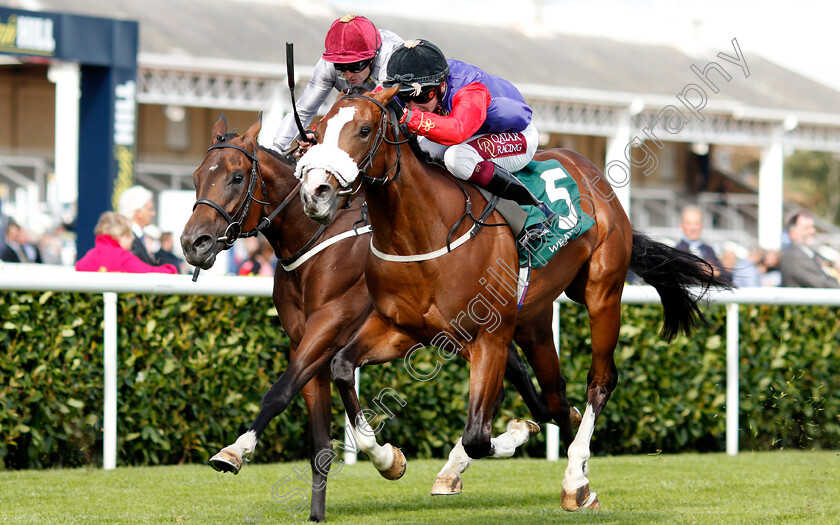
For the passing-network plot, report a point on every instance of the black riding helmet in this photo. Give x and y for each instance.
(415, 65)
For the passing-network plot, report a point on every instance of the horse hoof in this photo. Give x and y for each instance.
(226, 461)
(397, 468)
(575, 418)
(447, 485)
(579, 499)
(532, 427)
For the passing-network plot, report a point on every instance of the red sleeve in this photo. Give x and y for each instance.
(130, 263)
(469, 111)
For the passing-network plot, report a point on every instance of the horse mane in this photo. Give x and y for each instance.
(285, 159)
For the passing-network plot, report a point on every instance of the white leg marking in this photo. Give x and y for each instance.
(458, 462)
(515, 435)
(577, 469)
(382, 457)
(245, 444)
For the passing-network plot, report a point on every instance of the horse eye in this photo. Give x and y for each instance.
(364, 132)
(237, 177)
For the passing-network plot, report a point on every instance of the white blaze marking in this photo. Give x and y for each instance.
(327, 158)
(336, 124)
(213, 167)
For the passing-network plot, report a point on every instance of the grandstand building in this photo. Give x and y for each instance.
(707, 126)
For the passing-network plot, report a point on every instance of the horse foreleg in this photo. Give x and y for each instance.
(448, 481)
(373, 343)
(487, 368)
(518, 375)
(316, 394)
(537, 341)
(314, 350)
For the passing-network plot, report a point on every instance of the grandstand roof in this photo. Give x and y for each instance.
(255, 31)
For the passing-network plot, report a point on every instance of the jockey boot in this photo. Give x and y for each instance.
(505, 185)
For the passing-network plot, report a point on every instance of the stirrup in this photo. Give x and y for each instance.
(534, 233)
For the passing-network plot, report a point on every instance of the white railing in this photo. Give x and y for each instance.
(60, 279)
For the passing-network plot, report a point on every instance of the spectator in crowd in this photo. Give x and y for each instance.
(30, 248)
(111, 252)
(801, 266)
(13, 247)
(692, 227)
(355, 54)
(262, 259)
(165, 255)
(51, 247)
(769, 268)
(744, 271)
(136, 203)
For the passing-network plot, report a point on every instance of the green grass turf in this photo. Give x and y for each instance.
(769, 487)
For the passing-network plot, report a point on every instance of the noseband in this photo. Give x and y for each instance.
(388, 116)
(234, 228)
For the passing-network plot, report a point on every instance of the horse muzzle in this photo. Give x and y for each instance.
(319, 202)
(200, 249)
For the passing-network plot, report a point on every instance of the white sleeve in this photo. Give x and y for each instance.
(390, 41)
(322, 81)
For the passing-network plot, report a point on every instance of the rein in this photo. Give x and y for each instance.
(234, 229)
(387, 116)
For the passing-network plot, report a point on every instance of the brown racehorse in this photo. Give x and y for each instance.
(320, 302)
(413, 206)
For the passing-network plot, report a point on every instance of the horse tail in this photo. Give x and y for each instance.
(672, 272)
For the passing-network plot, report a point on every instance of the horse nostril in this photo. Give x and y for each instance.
(202, 242)
(323, 191)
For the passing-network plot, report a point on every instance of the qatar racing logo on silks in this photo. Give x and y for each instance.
(495, 145)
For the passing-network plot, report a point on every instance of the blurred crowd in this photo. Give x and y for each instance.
(127, 241)
(800, 262)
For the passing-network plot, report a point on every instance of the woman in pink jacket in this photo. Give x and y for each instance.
(110, 254)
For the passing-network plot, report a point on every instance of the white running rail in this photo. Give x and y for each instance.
(23, 277)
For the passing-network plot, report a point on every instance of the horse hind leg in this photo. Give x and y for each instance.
(604, 322)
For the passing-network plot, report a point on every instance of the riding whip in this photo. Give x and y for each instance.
(290, 73)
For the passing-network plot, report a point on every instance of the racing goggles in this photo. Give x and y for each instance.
(353, 67)
(426, 94)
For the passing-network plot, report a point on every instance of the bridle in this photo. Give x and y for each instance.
(387, 116)
(234, 228)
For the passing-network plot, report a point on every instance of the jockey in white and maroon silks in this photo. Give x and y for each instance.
(355, 54)
(477, 123)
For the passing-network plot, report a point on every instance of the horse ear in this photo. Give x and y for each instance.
(219, 129)
(255, 128)
(385, 96)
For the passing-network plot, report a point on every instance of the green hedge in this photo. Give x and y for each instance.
(193, 370)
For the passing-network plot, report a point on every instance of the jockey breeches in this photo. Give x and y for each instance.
(511, 151)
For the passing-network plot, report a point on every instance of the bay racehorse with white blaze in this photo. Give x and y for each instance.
(319, 287)
(413, 206)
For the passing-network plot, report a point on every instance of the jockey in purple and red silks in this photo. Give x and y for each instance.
(478, 123)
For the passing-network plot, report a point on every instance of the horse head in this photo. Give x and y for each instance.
(349, 139)
(227, 183)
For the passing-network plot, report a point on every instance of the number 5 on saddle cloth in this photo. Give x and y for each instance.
(551, 183)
